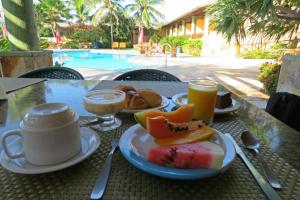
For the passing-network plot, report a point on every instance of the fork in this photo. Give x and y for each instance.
(100, 185)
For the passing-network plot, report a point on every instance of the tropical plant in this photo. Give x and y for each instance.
(3, 44)
(154, 38)
(260, 54)
(85, 35)
(44, 44)
(45, 32)
(192, 47)
(82, 12)
(123, 29)
(174, 42)
(107, 12)
(72, 44)
(145, 14)
(51, 12)
(273, 19)
(269, 75)
(279, 46)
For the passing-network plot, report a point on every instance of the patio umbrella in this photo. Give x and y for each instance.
(57, 36)
(142, 38)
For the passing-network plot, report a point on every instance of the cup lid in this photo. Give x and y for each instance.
(48, 116)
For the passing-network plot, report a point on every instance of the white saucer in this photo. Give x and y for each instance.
(181, 99)
(90, 141)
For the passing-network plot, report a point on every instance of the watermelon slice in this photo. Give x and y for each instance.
(196, 155)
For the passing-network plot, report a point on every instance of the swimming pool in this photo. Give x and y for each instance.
(94, 60)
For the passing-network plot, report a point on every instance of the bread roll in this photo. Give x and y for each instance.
(139, 99)
(135, 101)
(151, 97)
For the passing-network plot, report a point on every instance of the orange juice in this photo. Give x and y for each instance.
(203, 93)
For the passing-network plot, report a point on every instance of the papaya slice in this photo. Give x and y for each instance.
(160, 127)
(201, 134)
(182, 114)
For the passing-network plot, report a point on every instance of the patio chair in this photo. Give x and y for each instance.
(122, 45)
(115, 45)
(147, 75)
(53, 73)
(285, 107)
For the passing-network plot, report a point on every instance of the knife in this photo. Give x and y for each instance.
(263, 184)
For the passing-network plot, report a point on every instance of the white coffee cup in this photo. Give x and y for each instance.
(50, 134)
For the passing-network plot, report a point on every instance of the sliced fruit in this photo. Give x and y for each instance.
(201, 134)
(182, 114)
(196, 155)
(161, 127)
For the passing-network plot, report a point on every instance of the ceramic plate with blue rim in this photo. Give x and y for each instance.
(136, 142)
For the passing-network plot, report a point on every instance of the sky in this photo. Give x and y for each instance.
(175, 8)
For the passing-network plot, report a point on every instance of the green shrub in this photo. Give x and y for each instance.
(4, 44)
(45, 32)
(154, 38)
(44, 44)
(192, 47)
(71, 45)
(85, 36)
(129, 45)
(279, 46)
(259, 54)
(269, 75)
(177, 41)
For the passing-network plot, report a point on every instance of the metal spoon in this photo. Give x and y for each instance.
(92, 122)
(251, 142)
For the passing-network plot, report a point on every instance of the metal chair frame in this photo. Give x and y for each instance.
(53, 73)
(147, 75)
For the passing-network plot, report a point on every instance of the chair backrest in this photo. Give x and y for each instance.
(53, 73)
(147, 75)
(115, 45)
(122, 45)
(285, 107)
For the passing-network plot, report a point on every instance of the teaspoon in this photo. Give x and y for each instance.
(251, 142)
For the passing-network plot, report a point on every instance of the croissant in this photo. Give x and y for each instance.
(139, 99)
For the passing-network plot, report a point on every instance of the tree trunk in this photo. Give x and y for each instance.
(174, 52)
(237, 47)
(21, 27)
(111, 33)
(294, 43)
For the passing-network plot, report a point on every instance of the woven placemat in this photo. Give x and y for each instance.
(128, 182)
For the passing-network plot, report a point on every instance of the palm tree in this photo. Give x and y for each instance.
(82, 13)
(145, 14)
(107, 9)
(21, 26)
(50, 12)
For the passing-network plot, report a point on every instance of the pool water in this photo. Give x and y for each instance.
(94, 60)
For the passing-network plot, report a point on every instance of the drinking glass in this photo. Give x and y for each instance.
(203, 94)
(105, 104)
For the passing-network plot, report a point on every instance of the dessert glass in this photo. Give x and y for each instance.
(203, 93)
(105, 104)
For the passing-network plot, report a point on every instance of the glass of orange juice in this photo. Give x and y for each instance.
(203, 93)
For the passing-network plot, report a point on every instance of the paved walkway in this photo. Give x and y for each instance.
(239, 75)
